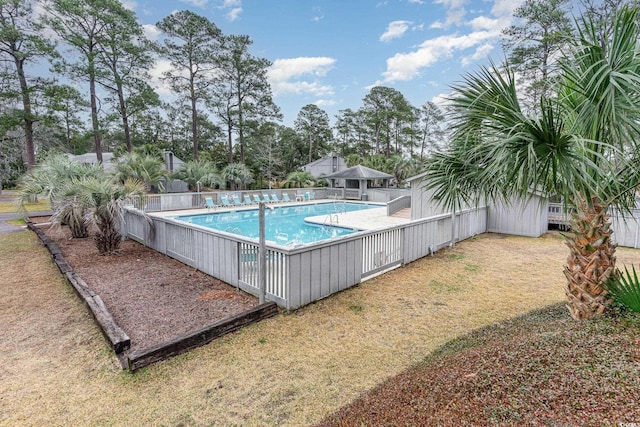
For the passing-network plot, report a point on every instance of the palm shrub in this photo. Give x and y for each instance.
(581, 144)
(299, 179)
(53, 179)
(147, 168)
(202, 171)
(238, 175)
(105, 201)
(625, 288)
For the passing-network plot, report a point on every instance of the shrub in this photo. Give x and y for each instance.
(625, 289)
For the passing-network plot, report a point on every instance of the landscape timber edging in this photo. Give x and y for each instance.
(117, 337)
(205, 335)
(114, 334)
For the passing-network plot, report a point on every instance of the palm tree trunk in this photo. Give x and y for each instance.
(591, 260)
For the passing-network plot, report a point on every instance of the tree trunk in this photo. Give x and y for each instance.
(194, 113)
(240, 124)
(591, 260)
(194, 126)
(97, 138)
(94, 119)
(28, 118)
(230, 142)
(125, 118)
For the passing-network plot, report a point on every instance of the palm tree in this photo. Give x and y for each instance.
(581, 145)
(201, 171)
(299, 179)
(403, 167)
(52, 179)
(238, 175)
(147, 168)
(354, 160)
(105, 199)
(83, 197)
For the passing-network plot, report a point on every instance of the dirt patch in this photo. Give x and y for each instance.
(538, 369)
(152, 297)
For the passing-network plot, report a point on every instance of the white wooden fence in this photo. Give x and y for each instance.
(625, 225)
(301, 275)
(178, 201)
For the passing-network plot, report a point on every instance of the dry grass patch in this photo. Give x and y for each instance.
(10, 206)
(293, 369)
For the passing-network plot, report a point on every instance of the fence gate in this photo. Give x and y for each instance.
(381, 251)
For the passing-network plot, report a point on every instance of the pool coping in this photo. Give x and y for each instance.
(361, 220)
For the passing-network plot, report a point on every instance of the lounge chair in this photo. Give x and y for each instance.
(285, 198)
(247, 200)
(266, 198)
(306, 196)
(256, 198)
(208, 203)
(312, 195)
(274, 198)
(225, 201)
(236, 200)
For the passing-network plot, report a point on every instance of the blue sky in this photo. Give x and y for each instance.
(331, 52)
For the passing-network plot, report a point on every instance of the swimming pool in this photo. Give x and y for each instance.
(284, 225)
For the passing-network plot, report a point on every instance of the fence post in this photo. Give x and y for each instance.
(262, 255)
(453, 228)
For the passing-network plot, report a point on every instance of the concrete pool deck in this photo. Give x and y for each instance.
(368, 219)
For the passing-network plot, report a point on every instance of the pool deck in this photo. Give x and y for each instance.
(368, 219)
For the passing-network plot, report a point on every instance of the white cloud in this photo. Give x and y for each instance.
(156, 72)
(395, 29)
(234, 13)
(300, 75)
(481, 53)
(505, 7)
(442, 99)
(455, 10)
(129, 4)
(416, 1)
(317, 14)
(406, 66)
(482, 37)
(325, 102)
(196, 3)
(233, 8)
(151, 32)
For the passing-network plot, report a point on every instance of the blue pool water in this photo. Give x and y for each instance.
(284, 225)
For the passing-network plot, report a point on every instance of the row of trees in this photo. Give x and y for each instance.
(99, 63)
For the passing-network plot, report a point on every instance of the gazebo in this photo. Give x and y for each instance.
(355, 180)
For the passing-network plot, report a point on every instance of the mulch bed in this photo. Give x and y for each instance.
(152, 297)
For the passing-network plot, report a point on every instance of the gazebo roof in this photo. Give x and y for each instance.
(359, 172)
